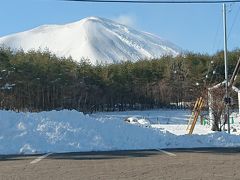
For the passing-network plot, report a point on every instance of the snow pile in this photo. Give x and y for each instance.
(95, 38)
(63, 131)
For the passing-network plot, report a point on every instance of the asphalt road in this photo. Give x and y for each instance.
(205, 163)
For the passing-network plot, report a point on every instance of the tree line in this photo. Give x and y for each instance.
(37, 81)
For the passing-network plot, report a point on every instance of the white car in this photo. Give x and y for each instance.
(138, 121)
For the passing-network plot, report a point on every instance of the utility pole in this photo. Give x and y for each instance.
(226, 99)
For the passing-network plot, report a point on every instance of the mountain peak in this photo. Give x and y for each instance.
(89, 19)
(97, 39)
(92, 18)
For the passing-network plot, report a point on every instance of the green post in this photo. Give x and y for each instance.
(204, 122)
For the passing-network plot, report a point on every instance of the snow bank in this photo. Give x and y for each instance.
(64, 131)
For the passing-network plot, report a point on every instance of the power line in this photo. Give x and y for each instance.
(159, 2)
(216, 44)
(234, 21)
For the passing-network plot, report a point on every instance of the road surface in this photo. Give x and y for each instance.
(185, 164)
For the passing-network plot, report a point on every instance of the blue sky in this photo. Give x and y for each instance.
(195, 27)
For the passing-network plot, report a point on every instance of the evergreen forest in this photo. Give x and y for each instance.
(41, 81)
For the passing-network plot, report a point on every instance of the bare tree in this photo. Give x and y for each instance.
(217, 107)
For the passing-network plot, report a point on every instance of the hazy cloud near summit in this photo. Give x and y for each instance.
(128, 20)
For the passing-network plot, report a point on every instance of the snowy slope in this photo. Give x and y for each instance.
(66, 131)
(98, 39)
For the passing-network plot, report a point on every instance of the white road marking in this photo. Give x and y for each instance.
(166, 152)
(40, 158)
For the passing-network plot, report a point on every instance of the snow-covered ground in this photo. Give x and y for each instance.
(64, 131)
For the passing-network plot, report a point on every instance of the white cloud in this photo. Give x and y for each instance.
(128, 20)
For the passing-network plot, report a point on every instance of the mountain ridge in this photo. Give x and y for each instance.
(94, 38)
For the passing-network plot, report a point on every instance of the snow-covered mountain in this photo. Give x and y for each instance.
(98, 39)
